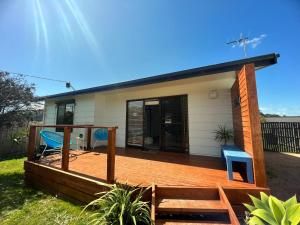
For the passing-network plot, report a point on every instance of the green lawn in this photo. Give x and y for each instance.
(23, 205)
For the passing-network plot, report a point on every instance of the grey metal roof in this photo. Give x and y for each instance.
(258, 61)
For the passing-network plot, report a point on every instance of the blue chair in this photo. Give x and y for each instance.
(52, 140)
(100, 134)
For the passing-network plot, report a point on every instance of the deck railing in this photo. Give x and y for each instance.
(111, 145)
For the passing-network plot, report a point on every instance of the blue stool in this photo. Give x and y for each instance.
(228, 147)
(235, 155)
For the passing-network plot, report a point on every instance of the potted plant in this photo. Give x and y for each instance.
(223, 135)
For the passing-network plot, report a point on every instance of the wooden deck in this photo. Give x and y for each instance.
(181, 184)
(184, 185)
(137, 167)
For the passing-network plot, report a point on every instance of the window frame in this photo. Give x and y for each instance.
(64, 103)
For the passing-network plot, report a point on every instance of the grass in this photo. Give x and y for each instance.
(23, 205)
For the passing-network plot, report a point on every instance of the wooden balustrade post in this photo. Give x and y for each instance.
(31, 143)
(111, 152)
(66, 148)
(88, 138)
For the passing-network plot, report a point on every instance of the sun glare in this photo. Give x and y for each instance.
(70, 17)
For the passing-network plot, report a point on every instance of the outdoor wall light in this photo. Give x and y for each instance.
(237, 101)
(213, 94)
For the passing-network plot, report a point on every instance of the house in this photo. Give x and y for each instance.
(177, 111)
(173, 116)
(289, 119)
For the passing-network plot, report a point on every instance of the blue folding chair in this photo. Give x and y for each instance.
(100, 134)
(52, 140)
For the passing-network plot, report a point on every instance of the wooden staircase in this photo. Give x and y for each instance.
(190, 206)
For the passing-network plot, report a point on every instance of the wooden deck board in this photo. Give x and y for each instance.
(137, 167)
(191, 222)
(190, 206)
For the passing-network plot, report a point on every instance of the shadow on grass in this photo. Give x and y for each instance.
(14, 194)
(283, 173)
(12, 156)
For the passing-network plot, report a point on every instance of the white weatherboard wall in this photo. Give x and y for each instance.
(84, 113)
(204, 113)
(84, 110)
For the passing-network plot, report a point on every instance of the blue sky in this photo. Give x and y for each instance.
(92, 43)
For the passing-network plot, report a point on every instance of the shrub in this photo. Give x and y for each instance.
(222, 134)
(120, 205)
(270, 210)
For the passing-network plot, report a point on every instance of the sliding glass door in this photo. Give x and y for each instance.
(135, 120)
(173, 123)
(152, 124)
(158, 123)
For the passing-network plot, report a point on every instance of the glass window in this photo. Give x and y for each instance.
(65, 114)
(69, 113)
(135, 123)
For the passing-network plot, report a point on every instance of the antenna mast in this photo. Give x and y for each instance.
(242, 41)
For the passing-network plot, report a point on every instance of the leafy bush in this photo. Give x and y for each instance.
(222, 134)
(270, 210)
(120, 205)
(19, 136)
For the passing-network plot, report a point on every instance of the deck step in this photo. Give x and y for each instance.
(191, 205)
(201, 193)
(175, 206)
(188, 222)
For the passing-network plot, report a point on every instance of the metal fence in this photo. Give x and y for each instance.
(281, 136)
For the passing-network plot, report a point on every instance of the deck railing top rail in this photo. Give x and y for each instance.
(75, 126)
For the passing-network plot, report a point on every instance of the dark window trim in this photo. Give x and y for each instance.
(64, 102)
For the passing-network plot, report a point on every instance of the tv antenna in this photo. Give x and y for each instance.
(242, 41)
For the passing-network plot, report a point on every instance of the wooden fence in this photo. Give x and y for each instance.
(281, 136)
(8, 146)
(13, 140)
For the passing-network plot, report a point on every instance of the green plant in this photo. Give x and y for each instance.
(222, 134)
(122, 205)
(19, 136)
(270, 210)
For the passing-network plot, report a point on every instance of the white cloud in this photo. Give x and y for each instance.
(254, 42)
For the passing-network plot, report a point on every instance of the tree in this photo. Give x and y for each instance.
(16, 99)
(262, 117)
